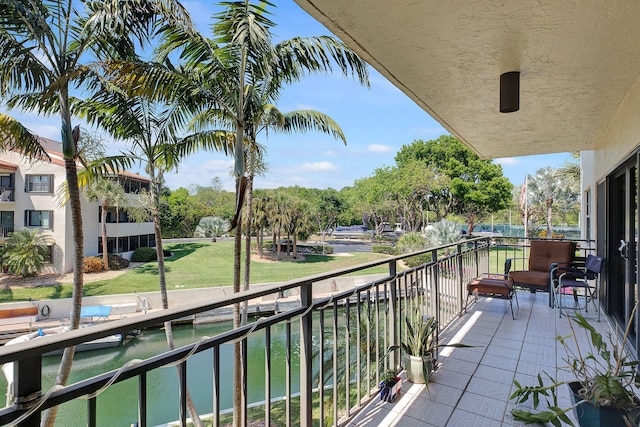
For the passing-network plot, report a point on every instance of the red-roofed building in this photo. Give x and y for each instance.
(29, 198)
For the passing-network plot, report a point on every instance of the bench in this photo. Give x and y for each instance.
(13, 316)
(495, 286)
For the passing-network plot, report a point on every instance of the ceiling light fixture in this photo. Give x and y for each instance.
(510, 92)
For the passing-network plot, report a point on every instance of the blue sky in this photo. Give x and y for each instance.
(377, 122)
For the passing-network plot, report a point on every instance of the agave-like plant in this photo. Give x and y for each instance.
(420, 340)
(443, 232)
(211, 226)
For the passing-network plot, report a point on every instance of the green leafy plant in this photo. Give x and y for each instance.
(25, 252)
(144, 254)
(421, 341)
(607, 377)
(116, 262)
(390, 377)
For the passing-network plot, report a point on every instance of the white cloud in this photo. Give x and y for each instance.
(201, 174)
(507, 161)
(305, 107)
(318, 167)
(379, 148)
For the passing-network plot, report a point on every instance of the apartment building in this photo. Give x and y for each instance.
(30, 197)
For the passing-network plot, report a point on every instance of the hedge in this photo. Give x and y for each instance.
(384, 249)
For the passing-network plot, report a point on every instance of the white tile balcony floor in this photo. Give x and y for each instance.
(473, 385)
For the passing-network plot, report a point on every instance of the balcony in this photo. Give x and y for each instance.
(5, 230)
(472, 386)
(7, 194)
(349, 331)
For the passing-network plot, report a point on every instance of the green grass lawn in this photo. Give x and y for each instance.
(198, 265)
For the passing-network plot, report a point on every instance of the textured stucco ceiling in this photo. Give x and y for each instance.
(578, 60)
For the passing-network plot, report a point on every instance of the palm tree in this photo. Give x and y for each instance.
(570, 171)
(25, 251)
(108, 192)
(225, 74)
(546, 187)
(43, 47)
(152, 134)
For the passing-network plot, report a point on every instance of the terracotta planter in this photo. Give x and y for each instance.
(589, 415)
(413, 366)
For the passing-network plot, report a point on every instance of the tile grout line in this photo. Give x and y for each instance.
(464, 390)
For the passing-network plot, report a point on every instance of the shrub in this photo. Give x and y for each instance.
(92, 264)
(411, 242)
(144, 254)
(384, 249)
(25, 252)
(116, 262)
(417, 260)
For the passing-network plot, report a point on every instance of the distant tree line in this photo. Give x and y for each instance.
(430, 181)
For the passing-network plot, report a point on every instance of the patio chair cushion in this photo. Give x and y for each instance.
(543, 254)
(492, 285)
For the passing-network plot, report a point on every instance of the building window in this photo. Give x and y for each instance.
(123, 244)
(587, 213)
(133, 243)
(48, 256)
(39, 183)
(42, 219)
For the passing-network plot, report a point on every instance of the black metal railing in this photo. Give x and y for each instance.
(338, 344)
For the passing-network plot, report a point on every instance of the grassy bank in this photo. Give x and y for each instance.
(197, 265)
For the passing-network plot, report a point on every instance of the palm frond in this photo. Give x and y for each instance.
(309, 120)
(14, 136)
(20, 67)
(297, 56)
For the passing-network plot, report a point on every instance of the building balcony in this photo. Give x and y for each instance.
(472, 385)
(5, 230)
(7, 195)
(331, 342)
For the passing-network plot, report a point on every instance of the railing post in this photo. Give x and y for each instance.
(306, 358)
(436, 285)
(460, 276)
(394, 332)
(476, 256)
(27, 387)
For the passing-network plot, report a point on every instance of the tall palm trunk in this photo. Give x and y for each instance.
(103, 219)
(247, 255)
(71, 173)
(168, 330)
(237, 350)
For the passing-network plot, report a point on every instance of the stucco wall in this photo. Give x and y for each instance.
(617, 143)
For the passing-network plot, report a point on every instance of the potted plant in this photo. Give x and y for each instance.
(390, 385)
(419, 348)
(603, 387)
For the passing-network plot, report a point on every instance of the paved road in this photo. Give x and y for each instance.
(342, 246)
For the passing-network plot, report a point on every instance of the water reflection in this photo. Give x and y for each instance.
(117, 406)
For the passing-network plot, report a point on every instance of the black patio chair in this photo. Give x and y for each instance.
(580, 282)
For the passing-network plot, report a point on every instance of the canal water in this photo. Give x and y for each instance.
(117, 406)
